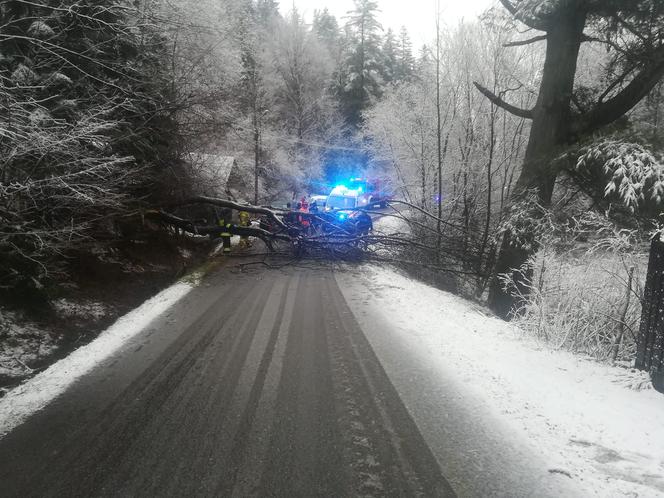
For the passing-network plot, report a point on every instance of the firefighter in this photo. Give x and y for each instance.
(303, 207)
(245, 221)
(225, 222)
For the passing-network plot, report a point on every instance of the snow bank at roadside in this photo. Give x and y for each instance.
(36, 393)
(581, 415)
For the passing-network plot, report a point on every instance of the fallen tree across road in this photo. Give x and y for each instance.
(214, 230)
(273, 214)
(324, 236)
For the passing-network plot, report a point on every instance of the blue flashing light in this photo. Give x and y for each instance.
(340, 186)
(342, 216)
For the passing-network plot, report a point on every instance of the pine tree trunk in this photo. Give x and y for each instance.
(550, 129)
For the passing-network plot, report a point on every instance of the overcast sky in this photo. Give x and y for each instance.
(417, 15)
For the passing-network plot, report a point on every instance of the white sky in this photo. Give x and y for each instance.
(417, 15)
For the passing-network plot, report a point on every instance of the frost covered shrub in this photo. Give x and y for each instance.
(59, 80)
(23, 75)
(88, 134)
(527, 222)
(635, 175)
(39, 29)
(586, 289)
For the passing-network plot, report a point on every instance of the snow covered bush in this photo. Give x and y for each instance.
(585, 287)
(87, 133)
(527, 222)
(635, 175)
(39, 29)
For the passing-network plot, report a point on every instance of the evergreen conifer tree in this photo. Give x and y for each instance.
(390, 58)
(364, 61)
(405, 63)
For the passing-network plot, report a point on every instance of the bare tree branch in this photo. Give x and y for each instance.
(593, 39)
(520, 43)
(517, 111)
(607, 112)
(425, 213)
(617, 82)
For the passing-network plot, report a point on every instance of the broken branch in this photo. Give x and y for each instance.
(200, 199)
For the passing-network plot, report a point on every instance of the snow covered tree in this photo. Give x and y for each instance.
(481, 145)
(364, 62)
(326, 28)
(87, 128)
(405, 63)
(205, 38)
(267, 11)
(390, 57)
(303, 104)
(631, 32)
(423, 58)
(255, 90)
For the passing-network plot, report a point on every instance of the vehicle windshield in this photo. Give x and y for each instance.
(340, 202)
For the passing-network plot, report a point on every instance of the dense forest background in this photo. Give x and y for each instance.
(108, 108)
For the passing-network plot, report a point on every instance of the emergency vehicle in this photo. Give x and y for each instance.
(356, 193)
(343, 197)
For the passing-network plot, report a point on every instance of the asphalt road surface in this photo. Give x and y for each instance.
(259, 383)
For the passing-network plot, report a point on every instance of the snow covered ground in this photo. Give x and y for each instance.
(76, 310)
(587, 421)
(22, 344)
(392, 222)
(25, 345)
(36, 393)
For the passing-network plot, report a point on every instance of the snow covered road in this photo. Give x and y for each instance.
(258, 384)
(309, 381)
(503, 414)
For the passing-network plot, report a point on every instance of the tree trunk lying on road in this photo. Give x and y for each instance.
(326, 238)
(273, 214)
(215, 230)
